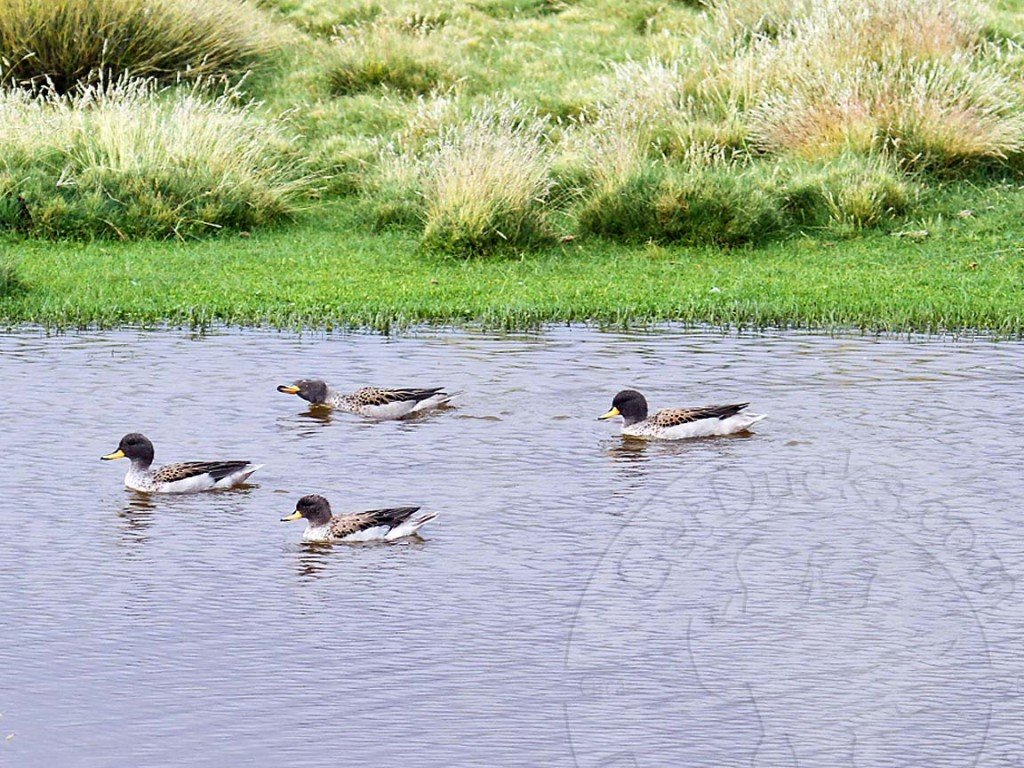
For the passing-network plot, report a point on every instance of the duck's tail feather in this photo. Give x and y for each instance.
(410, 526)
(437, 400)
(750, 419)
(241, 477)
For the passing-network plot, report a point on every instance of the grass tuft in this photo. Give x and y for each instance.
(908, 77)
(11, 284)
(407, 59)
(61, 44)
(486, 183)
(718, 203)
(124, 160)
(709, 200)
(624, 208)
(852, 191)
(508, 9)
(393, 195)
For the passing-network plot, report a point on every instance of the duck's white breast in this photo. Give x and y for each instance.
(317, 533)
(138, 480)
(702, 428)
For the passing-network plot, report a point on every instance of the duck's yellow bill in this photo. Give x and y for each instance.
(610, 415)
(288, 389)
(118, 454)
(293, 516)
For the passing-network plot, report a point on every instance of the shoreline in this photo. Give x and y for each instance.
(331, 271)
(472, 329)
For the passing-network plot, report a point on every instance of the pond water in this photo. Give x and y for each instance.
(839, 589)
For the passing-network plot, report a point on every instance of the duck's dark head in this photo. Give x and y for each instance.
(311, 390)
(316, 509)
(134, 446)
(630, 405)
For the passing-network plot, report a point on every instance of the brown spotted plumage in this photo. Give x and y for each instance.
(183, 477)
(375, 525)
(673, 417)
(361, 521)
(372, 402)
(678, 423)
(377, 396)
(217, 470)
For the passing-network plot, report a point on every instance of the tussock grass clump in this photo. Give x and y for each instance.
(321, 18)
(392, 186)
(852, 192)
(124, 160)
(953, 114)
(507, 9)
(11, 284)
(707, 199)
(393, 190)
(742, 21)
(618, 144)
(909, 77)
(658, 156)
(626, 208)
(410, 61)
(935, 115)
(486, 183)
(672, 109)
(617, 170)
(718, 202)
(64, 43)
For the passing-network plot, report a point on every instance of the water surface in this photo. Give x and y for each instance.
(840, 589)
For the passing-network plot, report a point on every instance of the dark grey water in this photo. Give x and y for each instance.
(841, 589)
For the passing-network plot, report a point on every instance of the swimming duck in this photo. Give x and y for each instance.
(185, 477)
(678, 423)
(372, 402)
(375, 525)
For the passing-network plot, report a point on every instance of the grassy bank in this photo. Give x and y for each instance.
(751, 162)
(966, 273)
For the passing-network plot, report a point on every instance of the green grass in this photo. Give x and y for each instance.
(968, 273)
(67, 43)
(682, 168)
(123, 160)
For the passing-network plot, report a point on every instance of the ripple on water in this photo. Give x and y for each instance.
(838, 589)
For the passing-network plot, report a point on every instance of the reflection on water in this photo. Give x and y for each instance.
(633, 449)
(323, 415)
(312, 559)
(139, 506)
(137, 516)
(837, 589)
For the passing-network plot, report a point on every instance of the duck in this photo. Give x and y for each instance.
(184, 477)
(371, 402)
(678, 423)
(374, 525)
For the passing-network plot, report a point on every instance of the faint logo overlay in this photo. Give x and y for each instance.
(821, 616)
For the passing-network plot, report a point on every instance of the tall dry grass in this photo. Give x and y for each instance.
(63, 43)
(737, 22)
(404, 57)
(486, 183)
(910, 77)
(123, 160)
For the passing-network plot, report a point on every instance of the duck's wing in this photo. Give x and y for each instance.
(347, 525)
(217, 470)
(370, 396)
(673, 417)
